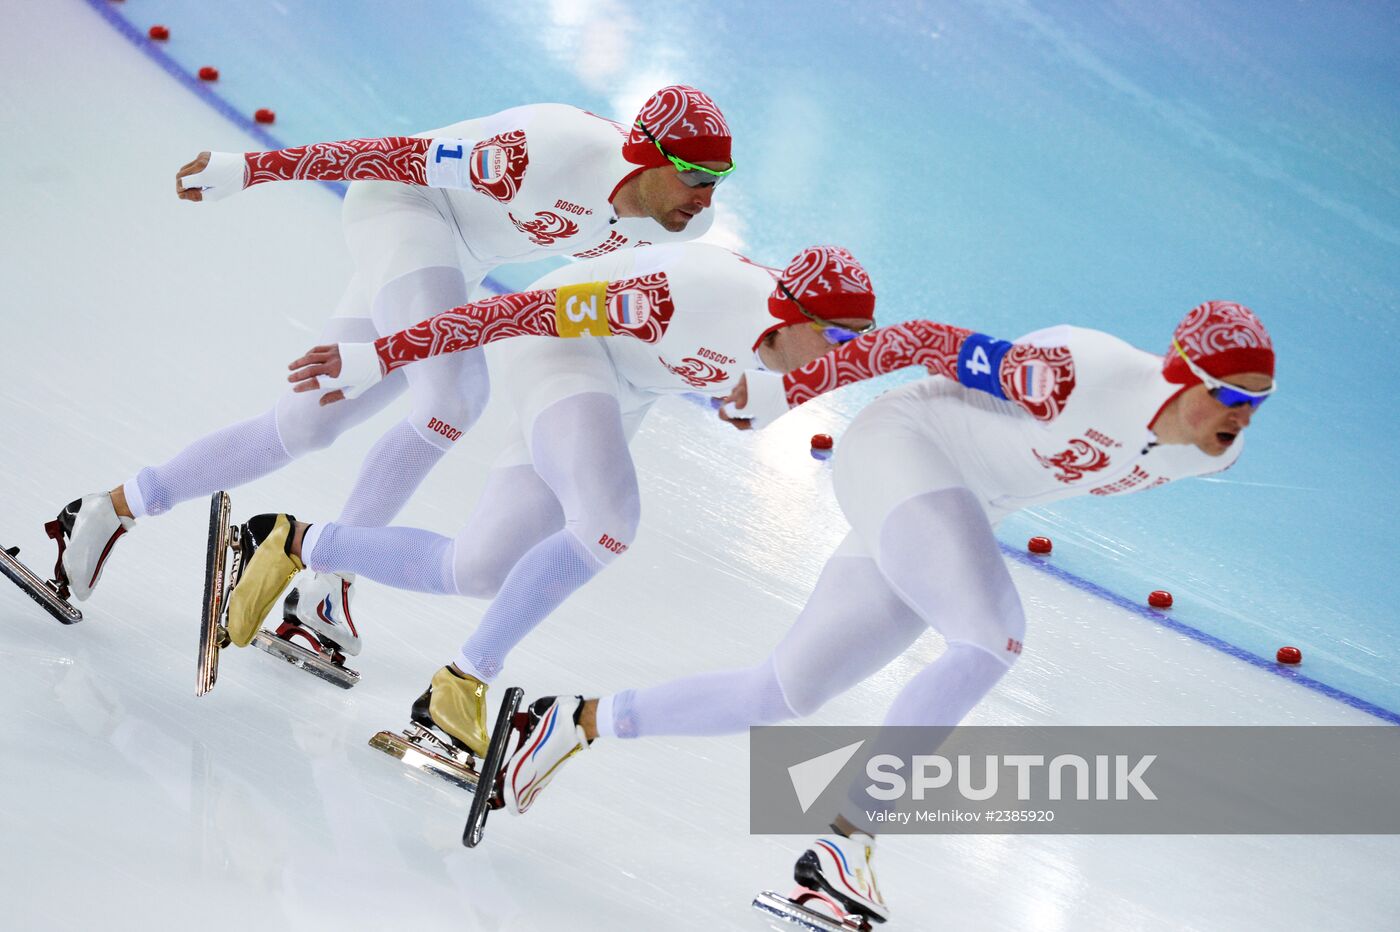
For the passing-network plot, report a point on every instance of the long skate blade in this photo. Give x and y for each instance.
(795, 913)
(308, 660)
(38, 589)
(215, 562)
(420, 757)
(491, 767)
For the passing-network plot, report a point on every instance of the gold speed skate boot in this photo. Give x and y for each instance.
(456, 704)
(267, 567)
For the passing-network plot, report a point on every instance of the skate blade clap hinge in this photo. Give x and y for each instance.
(421, 749)
(223, 564)
(810, 909)
(51, 594)
(319, 663)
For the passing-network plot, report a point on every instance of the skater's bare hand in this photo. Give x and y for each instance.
(318, 361)
(739, 398)
(200, 163)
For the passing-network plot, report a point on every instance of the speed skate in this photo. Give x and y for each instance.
(429, 750)
(52, 594)
(810, 909)
(225, 557)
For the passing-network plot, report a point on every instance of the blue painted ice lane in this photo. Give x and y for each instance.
(1003, 165)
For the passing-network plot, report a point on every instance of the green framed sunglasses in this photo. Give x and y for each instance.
(690, 174)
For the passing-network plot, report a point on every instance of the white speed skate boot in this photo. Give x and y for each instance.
(547, 735)
(320, 603)
(86, 531)
(842, 869)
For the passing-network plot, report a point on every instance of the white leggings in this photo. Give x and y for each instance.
(938, 566)
(560, 505)
(408, 267)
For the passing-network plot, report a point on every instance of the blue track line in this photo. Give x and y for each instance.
(1196, 634)
(206, 93)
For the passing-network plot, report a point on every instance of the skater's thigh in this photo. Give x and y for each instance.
(578, 445)
(449, 391)
(351, 322)
(393, 230)
(536, 373)
(852, 625)
(303, 423)
(938, 552)
(885, 459)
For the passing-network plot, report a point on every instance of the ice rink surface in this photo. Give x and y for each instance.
(133, 323)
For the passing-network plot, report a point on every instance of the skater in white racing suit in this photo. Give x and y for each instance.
(426, 219)
(922, 475)
(562, 502)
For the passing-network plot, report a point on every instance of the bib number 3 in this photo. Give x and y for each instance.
(577, 310)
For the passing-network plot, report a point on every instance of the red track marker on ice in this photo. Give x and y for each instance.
(1159, 598)
(1041, 545)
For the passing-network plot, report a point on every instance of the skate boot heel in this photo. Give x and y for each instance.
(319, 658)
(58, 534)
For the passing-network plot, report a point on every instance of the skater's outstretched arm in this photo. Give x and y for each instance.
(439, 163)
(1038, 378)
(587, 309)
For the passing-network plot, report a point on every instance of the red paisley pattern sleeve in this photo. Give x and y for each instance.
(1039, 379)
(640, 308)
(394, 158)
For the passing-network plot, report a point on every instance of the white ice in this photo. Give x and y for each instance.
(133, 323)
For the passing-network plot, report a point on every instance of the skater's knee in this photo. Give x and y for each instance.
(443, 414)
(803, 698)
(1003, 646)
(760, 691)
(605, 538)
(304, 425)
(477, 569)
(606, 524)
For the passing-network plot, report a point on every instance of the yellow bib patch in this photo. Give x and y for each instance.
(581, 310)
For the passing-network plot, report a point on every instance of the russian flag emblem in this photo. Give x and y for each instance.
(490, 163)
(630, 308)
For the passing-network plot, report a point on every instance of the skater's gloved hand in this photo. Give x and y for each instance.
(758, 400)
(212, 176)
(341, 370)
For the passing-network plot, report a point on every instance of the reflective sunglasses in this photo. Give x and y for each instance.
(831, 332)
(1231, 396)
(690, 174)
